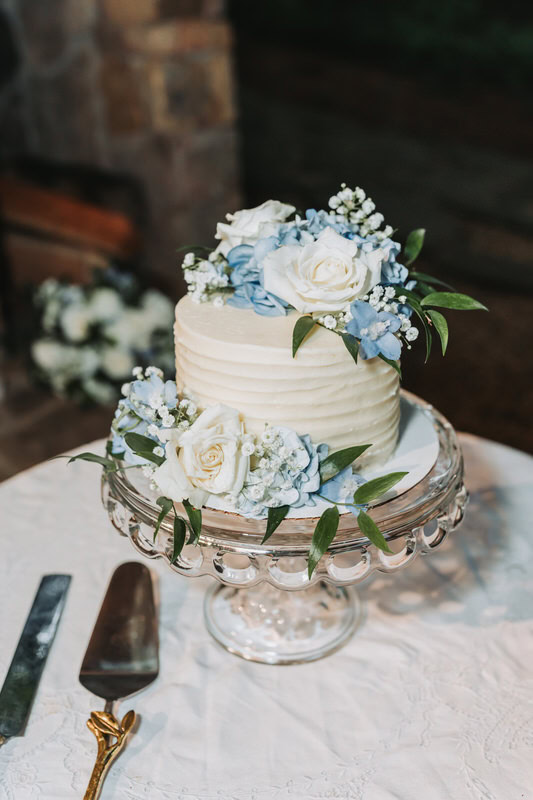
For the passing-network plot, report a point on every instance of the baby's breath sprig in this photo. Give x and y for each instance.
(206, 278)
(353, 206)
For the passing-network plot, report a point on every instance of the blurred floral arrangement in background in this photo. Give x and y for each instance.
(91, 337)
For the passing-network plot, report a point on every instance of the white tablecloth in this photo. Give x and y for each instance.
(432, 698)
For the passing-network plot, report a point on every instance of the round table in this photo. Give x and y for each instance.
(432, 698)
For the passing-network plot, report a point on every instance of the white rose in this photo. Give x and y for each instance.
(75, 321)
(251, 224)
(105, 304)
(170, 477)
(116, 362)
(205, 459)
(326, 275)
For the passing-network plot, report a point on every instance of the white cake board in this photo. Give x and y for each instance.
(415, 453)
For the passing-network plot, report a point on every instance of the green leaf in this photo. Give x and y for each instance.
(376, 487)
(166, 506)
(146, 454)
(180, 529)
(441, 326)
(139, 443)
(429, 279)
(413, 245)
(301, 329)
(351, 344)
(391, 363)
(454, 300)
(275, 517)
(368, 527)
(102, 460)
(323, 536)
(336, 462)
(195, 518)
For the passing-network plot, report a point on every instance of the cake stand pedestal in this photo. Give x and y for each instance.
(263, 606)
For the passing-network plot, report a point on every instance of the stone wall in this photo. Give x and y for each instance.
(143, 87)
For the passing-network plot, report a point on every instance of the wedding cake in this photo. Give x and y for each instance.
(288, 348)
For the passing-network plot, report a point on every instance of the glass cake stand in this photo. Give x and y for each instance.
(263, 607)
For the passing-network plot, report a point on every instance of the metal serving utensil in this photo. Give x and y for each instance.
(24, 674)
(121, 659)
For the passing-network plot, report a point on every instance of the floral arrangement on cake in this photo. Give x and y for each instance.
(192, 456)
(341, 270)
(338, 267)
(92, 336)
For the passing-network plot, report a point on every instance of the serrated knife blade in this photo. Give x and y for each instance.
(23, 676)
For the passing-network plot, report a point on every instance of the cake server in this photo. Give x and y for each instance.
(122, 658)
(24, 673)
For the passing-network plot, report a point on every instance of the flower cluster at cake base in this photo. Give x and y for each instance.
(193, 456)
(339, 266)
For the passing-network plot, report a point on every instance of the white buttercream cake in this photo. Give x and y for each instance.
(244, 360)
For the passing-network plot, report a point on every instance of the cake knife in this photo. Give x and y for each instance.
(121, 659)
(24, 673)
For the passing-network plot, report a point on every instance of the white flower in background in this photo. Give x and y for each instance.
(51, 314)
(105, 304)
(159, 309)
(326, 275)
(207, 458)
(50, 355)
(133, 329)
(75, 321)
(99, 391)
(250, 224)
(116, 361)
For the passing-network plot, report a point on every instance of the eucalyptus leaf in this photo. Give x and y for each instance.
(102, 460)
(275, 517)
(302, 327)
(351, 344)
(180, 529)
(139, 443)
(413, 245)
(368, 527)
(441, 326)
(195, 519)
(376, 487)
(391, 363)
(166, 505)
(453, 300)
(338, 461)
(323, 535)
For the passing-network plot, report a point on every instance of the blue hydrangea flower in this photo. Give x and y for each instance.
(392, 272)
(375, 330)
(246, 276)
(316, 221)
(136, 412)
(341, 488)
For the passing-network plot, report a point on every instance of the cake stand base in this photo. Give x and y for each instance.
(273, 626)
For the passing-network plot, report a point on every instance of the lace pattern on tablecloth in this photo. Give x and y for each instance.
(433, 698)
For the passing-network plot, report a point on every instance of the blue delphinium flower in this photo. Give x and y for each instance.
(341, 488)
(375, 330)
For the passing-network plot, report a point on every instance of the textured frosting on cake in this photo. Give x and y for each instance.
(244, 360)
